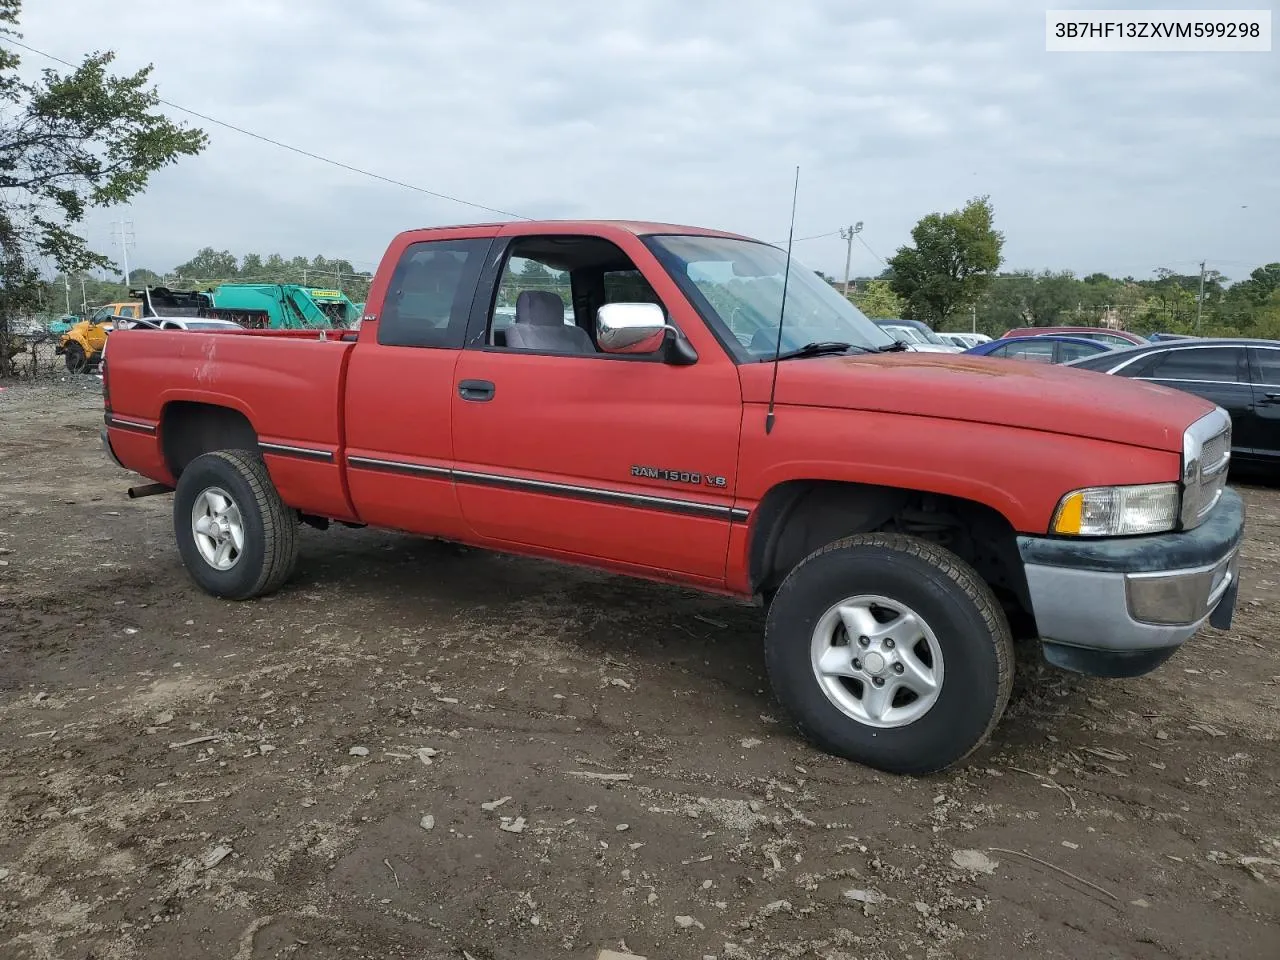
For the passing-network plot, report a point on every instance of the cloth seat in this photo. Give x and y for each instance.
(539, 325)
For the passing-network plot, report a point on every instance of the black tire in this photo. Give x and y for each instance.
(75, 358)
(270, 549)
(963, 615)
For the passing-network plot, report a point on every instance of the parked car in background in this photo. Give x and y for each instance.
(1048, 349)
(1118, 338)
(964, 340)
(181, 323)
(1240, 375)
(1157, 337)
(207, 324)
(919, 335)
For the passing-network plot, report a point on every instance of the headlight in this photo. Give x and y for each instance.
(1118, 511)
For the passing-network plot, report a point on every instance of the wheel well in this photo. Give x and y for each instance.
(800, 516)
(188, 430)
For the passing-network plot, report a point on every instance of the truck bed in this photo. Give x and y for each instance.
(287, 383)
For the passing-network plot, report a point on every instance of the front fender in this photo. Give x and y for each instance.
(1019, 473)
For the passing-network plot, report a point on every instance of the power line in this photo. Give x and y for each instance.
(298, 150)
(837, 231)
(863, 241)
(816, 236)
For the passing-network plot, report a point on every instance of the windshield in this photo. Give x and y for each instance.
(737, 286)
(909, 334)
(928, 336)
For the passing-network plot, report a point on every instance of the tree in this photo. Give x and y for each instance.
(952, 262)
(1262, 283)
(209, 265)
(876, 300)
(68, 144)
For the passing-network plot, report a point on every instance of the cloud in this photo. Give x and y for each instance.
(696, 113)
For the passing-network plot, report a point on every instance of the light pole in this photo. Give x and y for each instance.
(847, 235)
(1200, 296)
(125, 239)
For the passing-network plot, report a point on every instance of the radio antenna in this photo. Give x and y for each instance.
(786, 275)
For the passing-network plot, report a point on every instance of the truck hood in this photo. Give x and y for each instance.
(1012, 393)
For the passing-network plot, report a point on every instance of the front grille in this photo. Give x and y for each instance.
(1205, 471)
(1216, 454)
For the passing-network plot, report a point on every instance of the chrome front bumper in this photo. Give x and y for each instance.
(1122, 606)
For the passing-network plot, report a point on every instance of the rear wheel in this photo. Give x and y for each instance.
(75, 358)
(236, 537)
(890, 651)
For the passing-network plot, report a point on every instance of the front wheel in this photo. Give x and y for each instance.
(75, 358)
(890, 651)
(236, 537)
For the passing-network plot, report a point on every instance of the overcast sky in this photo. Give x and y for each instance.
(694, 112)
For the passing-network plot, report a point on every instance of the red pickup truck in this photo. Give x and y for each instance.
(604, 393)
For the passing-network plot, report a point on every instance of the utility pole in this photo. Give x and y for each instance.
(66, 286)
(84, 297)
(973, 308)
(847, 235)
(1200, 296)
(125, 239)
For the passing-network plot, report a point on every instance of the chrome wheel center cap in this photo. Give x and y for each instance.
(873, 663)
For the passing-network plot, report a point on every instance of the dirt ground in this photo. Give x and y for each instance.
(416, 750)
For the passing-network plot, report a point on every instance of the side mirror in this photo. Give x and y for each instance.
(631, 327)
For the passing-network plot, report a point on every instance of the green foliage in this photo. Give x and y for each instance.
(951, 264)
(877, 300)
(210, 267)
(1167, 303)
(68, 144)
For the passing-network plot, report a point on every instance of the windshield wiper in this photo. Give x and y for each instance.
(896, 347)
(818, 348)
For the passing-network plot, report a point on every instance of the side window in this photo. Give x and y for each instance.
(1215, 364)
(999, 351)
(430, 294)
(1074, 351)
(1041, 352)
(529, 274)
(129, 312)
(628, 286)
(1268, 363)
(551, 289)
(102, 315)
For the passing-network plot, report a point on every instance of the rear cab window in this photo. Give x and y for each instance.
(428, 300)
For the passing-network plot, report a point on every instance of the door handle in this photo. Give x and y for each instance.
(1272, 397)
(478, 391)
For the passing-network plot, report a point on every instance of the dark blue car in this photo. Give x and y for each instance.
(1049, 348)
